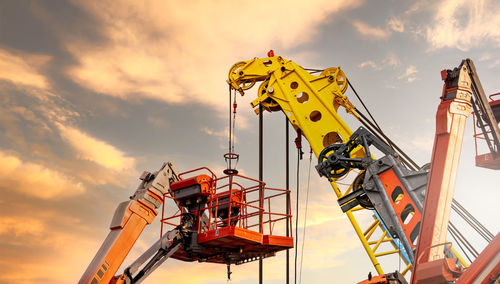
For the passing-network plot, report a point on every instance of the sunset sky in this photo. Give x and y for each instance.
(92, 93)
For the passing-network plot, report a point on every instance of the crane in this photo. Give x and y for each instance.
(224, 220)
(389, 185)
(311, 104)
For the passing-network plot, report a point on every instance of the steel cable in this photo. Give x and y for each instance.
(305, 217)
(297, 214)
(473, 219)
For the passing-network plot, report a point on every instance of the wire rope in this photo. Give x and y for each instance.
(305, 217)
(473, 219)
(297, 214)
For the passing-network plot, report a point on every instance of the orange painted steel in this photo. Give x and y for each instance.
(403, 205)
(379, 279)
(203, 180)
(118, 243)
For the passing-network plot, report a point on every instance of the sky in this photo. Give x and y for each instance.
(92, 93)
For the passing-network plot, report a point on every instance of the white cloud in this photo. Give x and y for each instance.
(369, 63)
(391, 60)
(222, 136)
(485, 57)
(494, 64)
(371, 32)
(465, 24)
(410, 74)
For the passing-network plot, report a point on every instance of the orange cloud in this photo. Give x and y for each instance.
(35, 179)
(37, 251)
(21, 226)
(23, 68)
(185, 56)
(94, 150)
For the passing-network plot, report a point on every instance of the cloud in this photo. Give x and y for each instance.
(185, 57)
(23, 68)
(94, 150)
(35, 180)
(494, 64)
(369, 63)
(410, 74)
(21, 226)
(371, 32)
(157, 121)
(464, 24)
(41, 244)
(37, 121)
(391, 60)
(221, 133)
(396, 24)
(485, 57)
(340, 240)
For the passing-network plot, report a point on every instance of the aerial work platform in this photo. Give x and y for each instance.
(491, 159)
(235, 219)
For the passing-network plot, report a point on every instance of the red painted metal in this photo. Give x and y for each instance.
(451, 116)
(486, 160)
(486, 267)
(441, 270)
(438, 271)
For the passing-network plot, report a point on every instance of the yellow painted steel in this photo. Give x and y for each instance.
(380, 241)
(461, 260)
(383, 241)
(408, 268)
(387, 252)
(310, 103)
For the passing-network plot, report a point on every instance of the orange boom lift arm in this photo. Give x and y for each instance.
(461, 93)
(128, 222)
